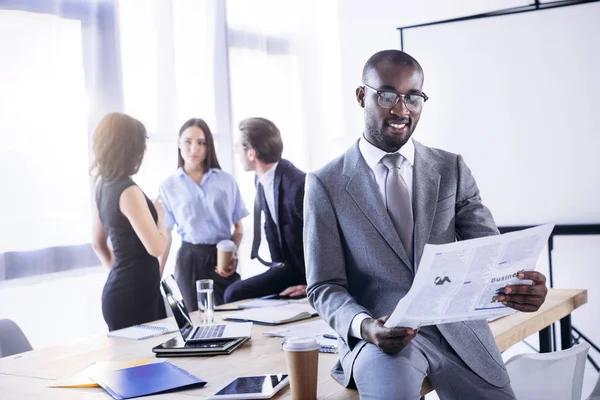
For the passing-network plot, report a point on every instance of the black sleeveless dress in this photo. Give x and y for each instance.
(131, 295)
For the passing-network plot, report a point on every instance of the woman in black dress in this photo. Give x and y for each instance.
(133, 223)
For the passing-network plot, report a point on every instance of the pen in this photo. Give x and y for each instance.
(329, 336)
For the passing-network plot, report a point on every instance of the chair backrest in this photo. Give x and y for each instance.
(595, 395)
(12, 339)
(556, 375)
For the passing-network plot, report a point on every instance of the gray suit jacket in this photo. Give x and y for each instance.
(355, 261)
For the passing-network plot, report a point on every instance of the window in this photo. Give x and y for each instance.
(43, 133)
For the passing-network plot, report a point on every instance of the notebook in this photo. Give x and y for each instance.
(177, 347)
(139, 332)
(327, 345)
(325, 335)
(145, 379)
(274, 315)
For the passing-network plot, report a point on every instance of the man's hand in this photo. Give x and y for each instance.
(294, 291)
(390, 340)
(527, 298)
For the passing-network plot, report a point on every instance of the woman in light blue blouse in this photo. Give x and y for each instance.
(205, 203)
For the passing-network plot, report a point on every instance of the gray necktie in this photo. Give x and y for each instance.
(398, 202)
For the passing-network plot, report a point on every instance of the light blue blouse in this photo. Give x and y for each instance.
(205, 213)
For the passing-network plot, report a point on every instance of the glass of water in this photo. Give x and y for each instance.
(206, 300)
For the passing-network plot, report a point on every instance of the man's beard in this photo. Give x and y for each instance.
(383, 142)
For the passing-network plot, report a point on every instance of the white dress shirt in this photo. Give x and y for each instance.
(372, 156)
(267, 180)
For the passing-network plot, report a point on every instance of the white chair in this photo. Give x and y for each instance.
(12, 339)
(556, 375)
(595, 395)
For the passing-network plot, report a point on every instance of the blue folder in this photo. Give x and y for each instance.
(145, 379)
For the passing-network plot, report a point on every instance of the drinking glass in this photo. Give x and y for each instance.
(206, 300)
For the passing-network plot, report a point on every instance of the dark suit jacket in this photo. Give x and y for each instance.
(286, 243)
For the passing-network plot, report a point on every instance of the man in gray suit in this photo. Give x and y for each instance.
(364, 234)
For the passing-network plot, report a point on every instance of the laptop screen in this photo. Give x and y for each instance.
(173, 295)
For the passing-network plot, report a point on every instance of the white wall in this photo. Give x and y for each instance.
(365, 30)
(367, 27)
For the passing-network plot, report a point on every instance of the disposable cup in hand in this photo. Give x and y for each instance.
(225, 251)
(302, 359)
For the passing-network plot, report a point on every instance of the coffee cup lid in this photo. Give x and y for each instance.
(297, 343)
(226, 245)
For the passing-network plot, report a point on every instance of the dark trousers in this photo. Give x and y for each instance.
(198, 261)
(273, 281)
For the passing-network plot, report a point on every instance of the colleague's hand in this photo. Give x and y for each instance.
(526, 298)
(294, 291)
(230, 268)
(160, 208)
(390, 340)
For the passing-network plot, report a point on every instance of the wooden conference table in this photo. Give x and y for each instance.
(27, 375)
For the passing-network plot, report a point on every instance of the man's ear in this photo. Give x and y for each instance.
(360, 96)
(251, 154)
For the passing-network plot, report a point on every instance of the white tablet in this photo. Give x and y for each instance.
(252, 387)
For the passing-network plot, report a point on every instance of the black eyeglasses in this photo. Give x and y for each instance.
(413, 101)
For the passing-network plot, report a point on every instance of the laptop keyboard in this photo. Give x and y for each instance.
(209, 331)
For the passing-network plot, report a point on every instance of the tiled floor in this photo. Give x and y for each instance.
(62, 307)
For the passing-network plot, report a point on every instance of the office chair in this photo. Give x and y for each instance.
(12, 339)
(556, 375)
(595, 395)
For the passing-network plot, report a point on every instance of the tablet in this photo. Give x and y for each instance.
(252, 387)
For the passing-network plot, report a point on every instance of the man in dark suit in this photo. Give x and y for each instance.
(369, 214)
(280, 194)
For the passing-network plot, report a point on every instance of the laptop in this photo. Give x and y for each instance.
(198, 333)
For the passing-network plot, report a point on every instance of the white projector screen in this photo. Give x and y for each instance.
(519, 97)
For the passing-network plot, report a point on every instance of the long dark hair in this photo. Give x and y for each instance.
(211, 155)
(119, 145)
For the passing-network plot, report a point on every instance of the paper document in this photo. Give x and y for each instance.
(81, 379)
(460, 281)
(259, 303)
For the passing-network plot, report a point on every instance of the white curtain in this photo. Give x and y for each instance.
(167, 53)
(43, 140)
(284, 66)
(169, 61)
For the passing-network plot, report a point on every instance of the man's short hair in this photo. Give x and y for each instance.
(396, 57)
(264, 137)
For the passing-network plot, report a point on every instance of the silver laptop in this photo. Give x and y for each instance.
(198, 333)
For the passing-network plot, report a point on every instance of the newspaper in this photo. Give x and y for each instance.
(460, 281)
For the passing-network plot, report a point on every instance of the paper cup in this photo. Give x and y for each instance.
(225, 251)
(302, 359)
